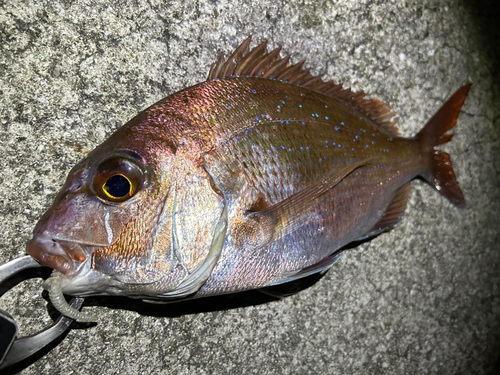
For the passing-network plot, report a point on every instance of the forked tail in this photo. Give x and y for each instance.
(439, 172)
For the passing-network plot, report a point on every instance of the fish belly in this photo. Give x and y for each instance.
(342, 215)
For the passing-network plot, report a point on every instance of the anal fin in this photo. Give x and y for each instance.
(393, 213)
(320, 267)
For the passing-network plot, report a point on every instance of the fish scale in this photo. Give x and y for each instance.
(334, 222)
(298, 141)
(302, 168)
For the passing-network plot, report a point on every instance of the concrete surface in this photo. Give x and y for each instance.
(423, 298)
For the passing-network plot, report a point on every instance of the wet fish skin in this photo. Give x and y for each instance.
(252, 178)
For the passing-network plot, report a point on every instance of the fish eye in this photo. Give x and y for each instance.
(117, 186)
(117, 179)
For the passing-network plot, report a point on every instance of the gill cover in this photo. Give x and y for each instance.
(197, 278)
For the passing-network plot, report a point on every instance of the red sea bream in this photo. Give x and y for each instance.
(256, 177)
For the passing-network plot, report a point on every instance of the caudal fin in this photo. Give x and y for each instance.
(439, 172)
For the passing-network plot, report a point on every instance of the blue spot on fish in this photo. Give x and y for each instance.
(229, 106)
(342, 123)
(254, 91)
(326, 118)
(279, 107)
(300, 105)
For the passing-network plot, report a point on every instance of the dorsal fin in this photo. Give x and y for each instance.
(260, 63)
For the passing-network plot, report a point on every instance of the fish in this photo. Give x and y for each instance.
(258, 176)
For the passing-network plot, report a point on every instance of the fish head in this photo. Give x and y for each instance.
(88, 213)
(139, 216)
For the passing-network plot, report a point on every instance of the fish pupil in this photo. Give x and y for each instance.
(117, 186)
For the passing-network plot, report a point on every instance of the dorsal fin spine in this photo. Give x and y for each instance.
(244, 68)
(313, 81)
(276, 66)
(266, 62)
(290, 71)
(259, 63)
(302, 77)
(235, 56)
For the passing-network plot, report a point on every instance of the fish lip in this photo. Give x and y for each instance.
(64, 256)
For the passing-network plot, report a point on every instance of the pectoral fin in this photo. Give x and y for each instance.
(274, 222)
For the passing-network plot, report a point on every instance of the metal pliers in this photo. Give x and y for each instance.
(15, 349)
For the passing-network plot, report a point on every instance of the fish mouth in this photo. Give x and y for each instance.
(64, 256)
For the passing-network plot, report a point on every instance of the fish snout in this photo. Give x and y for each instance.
(64, 256)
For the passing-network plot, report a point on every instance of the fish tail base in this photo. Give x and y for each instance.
(439, 171)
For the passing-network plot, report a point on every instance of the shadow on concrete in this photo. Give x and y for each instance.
(485, 16)
(170, 309)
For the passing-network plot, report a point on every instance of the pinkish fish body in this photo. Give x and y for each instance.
(253, 178)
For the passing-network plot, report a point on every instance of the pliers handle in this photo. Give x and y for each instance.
(13, 349)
